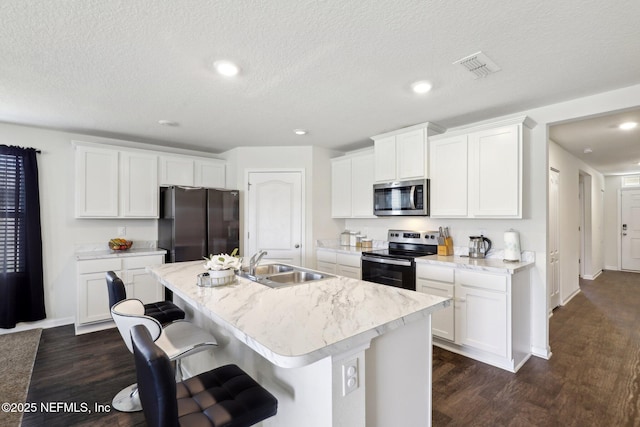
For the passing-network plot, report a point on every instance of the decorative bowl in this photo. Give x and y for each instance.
(119, 244)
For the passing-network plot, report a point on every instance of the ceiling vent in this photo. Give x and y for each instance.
(478, 64)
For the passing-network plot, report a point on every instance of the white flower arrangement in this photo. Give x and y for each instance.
(223, 262)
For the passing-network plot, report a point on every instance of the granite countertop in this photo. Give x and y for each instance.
(298, 325)
(493, 265)
(108, 253)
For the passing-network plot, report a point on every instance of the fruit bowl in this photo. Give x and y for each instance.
(119, 244)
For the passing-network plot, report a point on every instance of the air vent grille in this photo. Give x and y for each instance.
(478, 64)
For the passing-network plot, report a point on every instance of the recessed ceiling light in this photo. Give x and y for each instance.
(421, 86)
(226, 68)
(587, 150)
(168, 123)
(628, 125)
(300, 131)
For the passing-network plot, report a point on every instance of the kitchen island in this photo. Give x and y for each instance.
(335, 352)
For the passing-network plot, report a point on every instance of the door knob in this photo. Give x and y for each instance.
(297, 246)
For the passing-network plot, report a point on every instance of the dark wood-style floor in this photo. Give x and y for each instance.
(593, 378)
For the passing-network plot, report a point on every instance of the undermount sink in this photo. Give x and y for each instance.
(280, 275)
(296, 277)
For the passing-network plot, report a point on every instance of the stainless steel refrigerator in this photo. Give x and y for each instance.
(198, 222)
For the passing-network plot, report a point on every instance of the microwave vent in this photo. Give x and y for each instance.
(478, 64)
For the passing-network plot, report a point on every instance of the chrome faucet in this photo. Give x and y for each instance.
(254, 260)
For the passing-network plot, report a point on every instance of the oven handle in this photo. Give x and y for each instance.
(402, 262)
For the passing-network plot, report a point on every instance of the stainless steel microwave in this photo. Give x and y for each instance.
(401, 198)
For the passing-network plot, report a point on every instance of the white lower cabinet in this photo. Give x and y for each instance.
(489, 319)
(347, 265)
(436, 280)
(93, 309)
(481, 312)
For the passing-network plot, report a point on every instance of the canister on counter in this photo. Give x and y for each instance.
(367, 243)
(352, 238)
(344, 238)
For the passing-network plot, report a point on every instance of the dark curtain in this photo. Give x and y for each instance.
(21, 282)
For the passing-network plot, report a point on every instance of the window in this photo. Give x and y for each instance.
(12, 213)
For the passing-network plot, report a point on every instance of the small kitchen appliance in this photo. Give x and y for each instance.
(479, 246)
(401, 198)
(512, 246)
(396, 265)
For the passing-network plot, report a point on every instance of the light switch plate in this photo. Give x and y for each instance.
(122, 231)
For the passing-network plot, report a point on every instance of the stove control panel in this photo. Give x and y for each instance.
(416, 237)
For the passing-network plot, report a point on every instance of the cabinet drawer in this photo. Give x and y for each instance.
(346, 271)
(129, 263)
(99, 265)
(327, 267)
(326, 256)
(427, 287)
(349, 260)
(487, 281)
(433, 272)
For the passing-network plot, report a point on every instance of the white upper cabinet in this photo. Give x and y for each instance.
(477, 173)
(496, 172)
(449, 171)
(139, 185)
(176, 171)
(113, 183)
(192, 171)
(210, 173)
(402, 154)
(352, 186)
(96, 182)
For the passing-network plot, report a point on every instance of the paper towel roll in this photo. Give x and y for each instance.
(511, 245)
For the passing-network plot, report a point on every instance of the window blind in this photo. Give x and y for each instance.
(12, 213)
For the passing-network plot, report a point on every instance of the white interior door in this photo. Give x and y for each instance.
(630, 233)
(275, 216)
(554, 246)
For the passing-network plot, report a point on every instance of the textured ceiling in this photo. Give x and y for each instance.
(339, 68)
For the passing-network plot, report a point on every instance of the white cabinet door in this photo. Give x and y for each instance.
(96, 182)
(385, 159)
(448, 166)
(442, 322)
(348, 265)
(177, 171)
(341, 188)
(326, 267)
(139, 185)
(210, 174)
(481, 319)
(93, 298)
(362, 178)
(411, 155)
(495, 173)
(144, 286)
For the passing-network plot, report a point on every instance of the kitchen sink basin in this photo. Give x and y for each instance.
(281, 275)
(268, 269)
(296, 277)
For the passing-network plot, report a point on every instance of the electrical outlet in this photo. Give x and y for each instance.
(122, 231)
(349, 376)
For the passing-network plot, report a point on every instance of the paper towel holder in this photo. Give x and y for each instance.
(512, 251)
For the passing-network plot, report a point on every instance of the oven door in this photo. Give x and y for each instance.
(397, 272)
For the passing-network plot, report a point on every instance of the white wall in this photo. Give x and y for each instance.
(570, 169)
(317, 186)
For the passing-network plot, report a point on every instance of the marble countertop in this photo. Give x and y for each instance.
(335, 246)
(297, 325)
(108, 253)
(494, 265)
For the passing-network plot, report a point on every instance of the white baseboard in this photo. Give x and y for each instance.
(544, 353)
(44, 324)
(592, 277)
